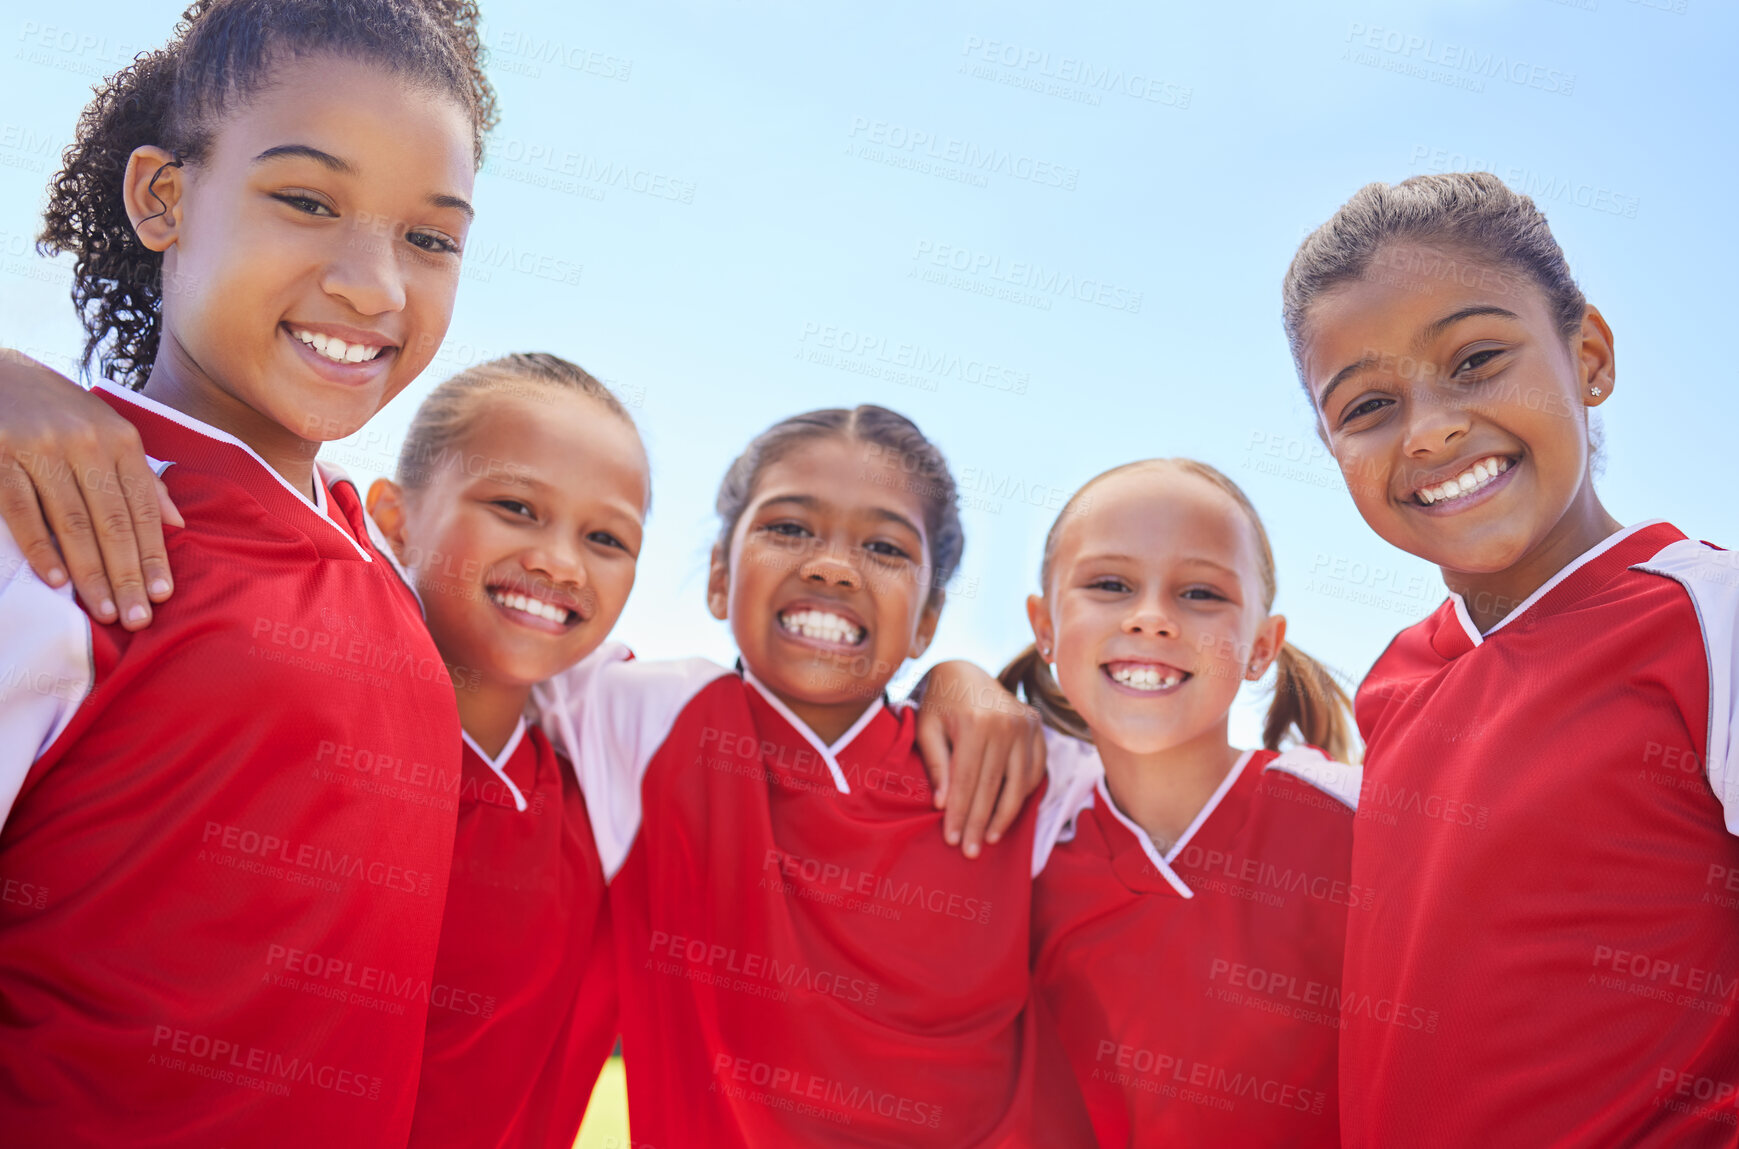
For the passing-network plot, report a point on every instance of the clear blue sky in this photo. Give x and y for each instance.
(729, 210)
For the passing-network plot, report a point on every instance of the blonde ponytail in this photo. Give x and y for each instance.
(1309, 701)
(1029, 677)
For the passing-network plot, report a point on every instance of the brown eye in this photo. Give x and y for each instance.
(1478, 359)
(307, 205)
(1368, 407)
(432, 243)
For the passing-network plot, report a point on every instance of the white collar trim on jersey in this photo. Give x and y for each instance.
(1341, 781)
(829, 754)
(1545, 588)
(1162, 863)
(318, 503)
(499, 762)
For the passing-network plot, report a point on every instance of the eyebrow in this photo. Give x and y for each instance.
(454, 202)
(1426, 334)
(1230, 571)
(345, 168)
(514, 480)
(811, 503)
(1197, 559)
(304, 151)
(1342, 376)
(1438, 326)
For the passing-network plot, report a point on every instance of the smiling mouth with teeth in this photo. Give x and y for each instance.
(1144, 675)
(823, 625)
(559, 615)
(337, 350)
(1473, 479)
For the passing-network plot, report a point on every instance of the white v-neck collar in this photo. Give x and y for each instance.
(318, 504)
(1162, 862)
(1545, 588)
(499, 763)
(829, 754)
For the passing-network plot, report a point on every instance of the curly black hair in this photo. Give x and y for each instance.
(221, 52)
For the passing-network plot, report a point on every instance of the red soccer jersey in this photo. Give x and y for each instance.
(226, 860)
(804, 961)
(523, 1011)
(1196, 991)
(1554, 949)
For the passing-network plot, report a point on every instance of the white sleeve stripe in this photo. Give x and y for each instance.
(1074, 769)
(610, 715)
(46, 667)
(1711, 579)
(1338, 780)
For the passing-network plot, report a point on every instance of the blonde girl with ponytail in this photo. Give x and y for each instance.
(1188, 926)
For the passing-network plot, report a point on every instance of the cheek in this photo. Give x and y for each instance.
(1076, 653)
(769, 557)
(1363, 472)
(749, 576)
(1555, 433)
(1222, 649)
(613, 587)
(429, 299)
(446, 552)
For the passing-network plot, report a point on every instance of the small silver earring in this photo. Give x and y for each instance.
(1594, 391)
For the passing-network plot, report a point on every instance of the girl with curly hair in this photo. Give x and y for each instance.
(235, 828)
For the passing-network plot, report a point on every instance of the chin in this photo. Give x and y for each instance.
(1134, 737)
(1474, 556)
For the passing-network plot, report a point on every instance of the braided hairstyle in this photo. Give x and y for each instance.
(222, 51)
(896, 439)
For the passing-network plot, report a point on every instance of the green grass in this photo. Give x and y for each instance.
(606, 1124)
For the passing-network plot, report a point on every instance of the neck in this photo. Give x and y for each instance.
(829, 721)
(489, 711)
(1163, 791)
(177, 381)
(1491, 597)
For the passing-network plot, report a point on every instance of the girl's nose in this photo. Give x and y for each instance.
(1150, 618)
(364, 272)
(558, 560)
(830, 569)
(1435, 421)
